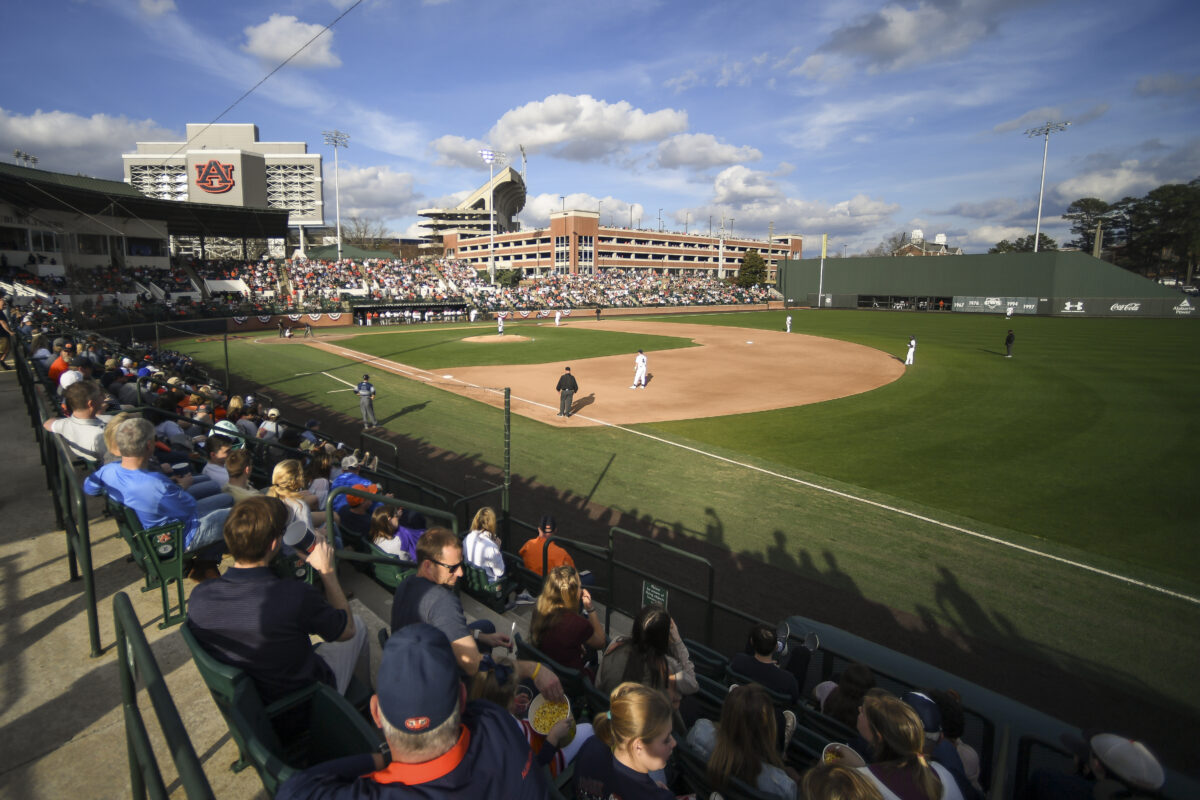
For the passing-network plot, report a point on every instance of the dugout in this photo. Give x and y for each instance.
(1051, 283)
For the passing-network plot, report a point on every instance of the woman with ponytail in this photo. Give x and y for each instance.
(898, 768)
(633, 743)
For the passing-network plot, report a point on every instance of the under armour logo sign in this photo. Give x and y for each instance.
(1073, 308)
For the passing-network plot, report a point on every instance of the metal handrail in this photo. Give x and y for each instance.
(135, 659)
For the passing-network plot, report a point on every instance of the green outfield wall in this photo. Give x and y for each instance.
(1057, 283)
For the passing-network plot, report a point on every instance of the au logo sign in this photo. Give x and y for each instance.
(214, 177)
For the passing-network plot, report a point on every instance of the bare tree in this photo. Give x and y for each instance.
(889, 245)
(366, 232)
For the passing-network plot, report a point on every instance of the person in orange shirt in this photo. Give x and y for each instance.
(531, 551)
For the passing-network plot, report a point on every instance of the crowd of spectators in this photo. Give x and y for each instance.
(909, 745)
(299, 285)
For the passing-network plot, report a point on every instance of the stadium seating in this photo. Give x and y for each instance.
(309, 726)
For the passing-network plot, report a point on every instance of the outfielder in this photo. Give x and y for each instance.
(557, 318)
(639, 371)
(912, 349)
(499, 324)
(366, 401)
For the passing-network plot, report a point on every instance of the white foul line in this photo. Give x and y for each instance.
(846, 495)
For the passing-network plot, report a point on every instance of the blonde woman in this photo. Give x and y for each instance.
(633, 743)
(287, 483)
(481, 547)
(899, 768)
(835, 782)
(558, 627)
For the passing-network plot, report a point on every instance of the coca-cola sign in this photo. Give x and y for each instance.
(1125, 307)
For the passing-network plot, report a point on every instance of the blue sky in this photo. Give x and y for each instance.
(856, 118)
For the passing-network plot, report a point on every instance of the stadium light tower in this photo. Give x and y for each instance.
(337, 139)
(490, 157)
(1033, 133)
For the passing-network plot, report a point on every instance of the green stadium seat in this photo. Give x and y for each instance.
(706, 660)
(388, 575)
(319, 724)
(493, 595)
(158, 553)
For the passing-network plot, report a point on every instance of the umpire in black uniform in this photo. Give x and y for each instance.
(567, 387)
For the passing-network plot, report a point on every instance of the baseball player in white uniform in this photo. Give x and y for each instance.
(557, 318)
(787, 323)
(639, 371)
(912, 349)
(499, 324)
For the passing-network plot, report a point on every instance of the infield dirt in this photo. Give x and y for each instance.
(731, 371)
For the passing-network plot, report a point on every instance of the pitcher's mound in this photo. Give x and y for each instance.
(495, 339)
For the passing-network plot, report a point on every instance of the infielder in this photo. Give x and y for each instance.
(473, 312)
(912, 349)
(787, 323)
(639, 371)
(499, 324)
(557, 318)
(366, 401)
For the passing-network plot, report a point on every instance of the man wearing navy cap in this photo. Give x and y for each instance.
(440, 744)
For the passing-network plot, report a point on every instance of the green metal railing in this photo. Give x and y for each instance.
(136, 660)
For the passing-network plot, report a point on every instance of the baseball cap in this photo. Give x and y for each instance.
(1129, 760)
(928, 711)
(273, 413)
(126, 362)
(69, 378)
(78, 361)
(249, 399)
(366, 377)
(548, 521)
(350, 462)
(312, 423)
(355, 501)
(418, 682)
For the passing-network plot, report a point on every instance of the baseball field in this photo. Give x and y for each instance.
(1039, 505)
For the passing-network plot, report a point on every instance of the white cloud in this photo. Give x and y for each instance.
(455, 151)
(384, 132)
(539, 207)
(981, 238)
(65, 142)
(897, 37)
(374, 192)
(155, 8)
(281, 35)
(752, 200)
(684, 81)
(702, 150)
(1129, 178)
(581, 127)
(1169, 84)
(1039, 116)
(737, 184)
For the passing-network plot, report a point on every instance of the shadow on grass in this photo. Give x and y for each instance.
(406, 410)
(962, 635)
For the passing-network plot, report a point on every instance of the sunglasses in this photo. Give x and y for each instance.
(451, 567)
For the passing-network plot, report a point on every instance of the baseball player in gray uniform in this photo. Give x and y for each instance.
(366, 401)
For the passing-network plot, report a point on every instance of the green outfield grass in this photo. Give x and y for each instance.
(1080, 446)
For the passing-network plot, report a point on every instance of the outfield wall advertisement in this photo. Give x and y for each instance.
(996, 305)
(1125, 307)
